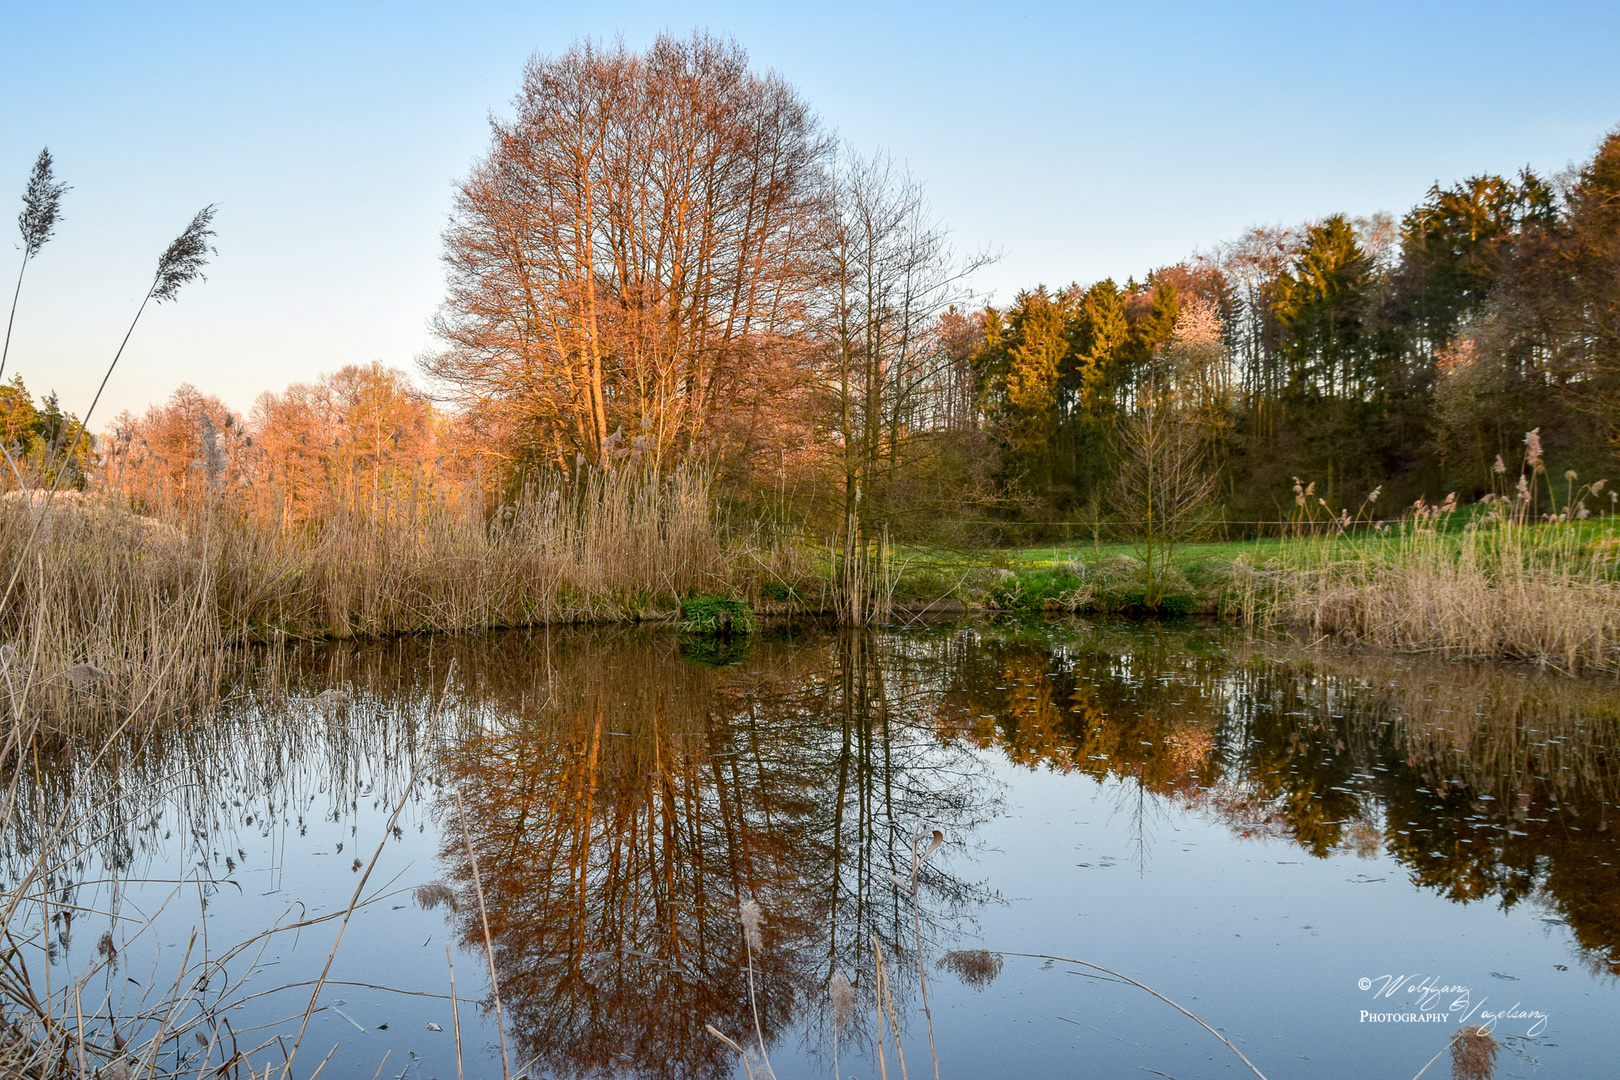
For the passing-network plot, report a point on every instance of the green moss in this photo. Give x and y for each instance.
(717, 616)
(1113, 585)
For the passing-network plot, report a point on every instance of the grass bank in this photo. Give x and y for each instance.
(110, 613)
(1481, 586)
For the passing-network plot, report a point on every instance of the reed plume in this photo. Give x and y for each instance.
(751, 918)
(42, 201)
(181, 263)
(1473, 1054)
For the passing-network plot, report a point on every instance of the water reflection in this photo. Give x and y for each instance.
(1489, 783)
(621, 792)
(620, 814)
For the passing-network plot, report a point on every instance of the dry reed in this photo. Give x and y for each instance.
(111, 608)
(1499, 587)
(53, 812)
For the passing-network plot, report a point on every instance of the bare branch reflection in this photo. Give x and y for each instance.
(620, 819)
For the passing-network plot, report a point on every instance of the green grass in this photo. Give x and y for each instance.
(1257, 551)
(1105, 577)
(717, 616)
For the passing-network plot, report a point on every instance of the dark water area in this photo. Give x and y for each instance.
(1334, 860)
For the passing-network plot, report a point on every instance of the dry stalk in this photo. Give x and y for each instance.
(886, 1003)
(455, 1007)
(489, 944)
(742, 1055)
(749, 915)
(1127, 979)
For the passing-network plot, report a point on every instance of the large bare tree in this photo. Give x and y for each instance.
(629, 246)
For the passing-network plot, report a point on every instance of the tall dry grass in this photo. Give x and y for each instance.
(70, 841)
(1502, 584)
(108, 612)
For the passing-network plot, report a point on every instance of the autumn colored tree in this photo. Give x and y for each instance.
(632, 240)
(346, 436)
(189, 446)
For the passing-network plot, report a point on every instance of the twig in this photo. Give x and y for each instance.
(1436, 1057)
(1126, 978)
(741, 1054)
(916, 909)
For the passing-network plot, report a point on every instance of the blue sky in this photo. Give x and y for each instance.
(1077, 140)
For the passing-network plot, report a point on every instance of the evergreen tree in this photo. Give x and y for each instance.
(1320, 309)
(1454, 245)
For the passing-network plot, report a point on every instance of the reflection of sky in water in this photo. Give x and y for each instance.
(1260, 939)
(1248, 834)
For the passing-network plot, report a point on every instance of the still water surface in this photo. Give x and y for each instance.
(1284, 842)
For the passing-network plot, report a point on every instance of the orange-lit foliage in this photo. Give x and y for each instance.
(17, 413)
(347, 436)
(160, 455)
(362, 437)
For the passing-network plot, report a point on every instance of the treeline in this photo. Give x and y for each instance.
(1410, 356)
(42, 440)
(348, 441)
(664, 252)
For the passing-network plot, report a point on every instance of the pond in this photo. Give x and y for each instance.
(1333, 860)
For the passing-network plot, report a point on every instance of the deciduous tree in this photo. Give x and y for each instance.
(633, 238)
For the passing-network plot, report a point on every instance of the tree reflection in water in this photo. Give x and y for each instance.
(629, 799)
(623, 796)
(1487, 782)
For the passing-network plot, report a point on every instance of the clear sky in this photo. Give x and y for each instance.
(1078, 140)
